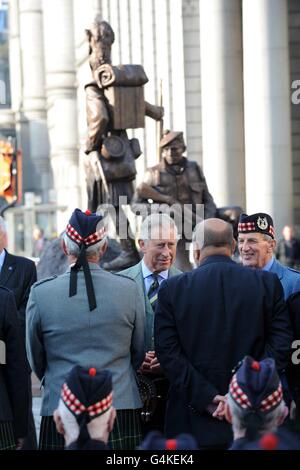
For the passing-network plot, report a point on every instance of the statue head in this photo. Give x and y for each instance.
(100, 37)
(172, 146)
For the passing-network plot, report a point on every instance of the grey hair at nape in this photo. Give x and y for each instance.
(73, 249)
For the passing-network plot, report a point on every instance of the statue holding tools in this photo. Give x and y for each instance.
(115, 102)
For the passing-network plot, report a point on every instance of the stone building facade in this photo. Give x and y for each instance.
(226, 67)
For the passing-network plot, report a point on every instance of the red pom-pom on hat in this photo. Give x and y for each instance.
(171, 444)
(255, 366)
(92, 372)
(269, 442)
(88, 212)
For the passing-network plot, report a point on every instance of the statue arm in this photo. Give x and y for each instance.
(145, 191)
(153, 111)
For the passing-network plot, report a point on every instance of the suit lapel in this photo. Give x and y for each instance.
(7, 268)
(138, 276)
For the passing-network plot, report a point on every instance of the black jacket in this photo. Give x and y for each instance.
(14, 396)
(18, 274)
(206, 321)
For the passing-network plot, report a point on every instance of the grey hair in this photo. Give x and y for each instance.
(268, 238)
(73, 249)
(270, 422)
(2, 225)
(69, 421)
(204, 237)
(160, 220)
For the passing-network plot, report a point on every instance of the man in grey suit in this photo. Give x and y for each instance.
(77, 319)
(158, 242)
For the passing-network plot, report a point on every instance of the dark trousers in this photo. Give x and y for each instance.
(157, 421)
(30, 441)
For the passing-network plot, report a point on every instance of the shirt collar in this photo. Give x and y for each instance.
(147, 273)
(269, 264)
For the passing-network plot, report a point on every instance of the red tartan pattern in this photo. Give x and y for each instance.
(77, 407)
(245, 226)
(250, 227)
(90, 240)
(242, 399)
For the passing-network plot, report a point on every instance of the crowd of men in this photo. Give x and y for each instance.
(204, 355)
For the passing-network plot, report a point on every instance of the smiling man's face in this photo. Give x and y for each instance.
(255, 250)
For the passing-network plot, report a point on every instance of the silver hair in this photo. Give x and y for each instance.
(73, 249)
(270, 422)
(2, 225)
(268, 238)
(69, 421)
(152, 221)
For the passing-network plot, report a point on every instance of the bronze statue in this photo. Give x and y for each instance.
(115, 102)
(176, 181)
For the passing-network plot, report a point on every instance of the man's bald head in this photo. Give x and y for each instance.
(214, 236)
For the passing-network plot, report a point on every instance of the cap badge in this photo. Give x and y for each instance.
(262, 223)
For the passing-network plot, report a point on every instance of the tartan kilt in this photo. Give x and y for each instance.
(127, 430)
(7, 440)
(126, 434)
(50, 439)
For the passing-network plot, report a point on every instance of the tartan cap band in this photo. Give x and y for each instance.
(240, 397)
(256, 386)
(88, 241)
(77, 408)
(258, 223)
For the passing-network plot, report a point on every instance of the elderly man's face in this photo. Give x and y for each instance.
(160, 251)
(255, 250)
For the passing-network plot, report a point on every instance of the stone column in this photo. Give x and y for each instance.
(62, 103)
(222, 99)
(28, 97)
(267, 109)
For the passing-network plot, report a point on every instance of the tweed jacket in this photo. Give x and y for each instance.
(136, 273)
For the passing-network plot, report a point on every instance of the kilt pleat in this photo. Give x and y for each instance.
(50, 439)
(126, 434)
(127, 430)
(7, 440)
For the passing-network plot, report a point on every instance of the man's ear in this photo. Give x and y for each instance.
(103, 248)
(58, 422)
(142, 245)
(63, 246)
(273, 245)
(197, 255)
(233, 246)
(228, 416)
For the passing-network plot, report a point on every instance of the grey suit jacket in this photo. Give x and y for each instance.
(136, 273)
(62, 332)
(289, 278)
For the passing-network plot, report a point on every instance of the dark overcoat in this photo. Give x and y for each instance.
(206, 322)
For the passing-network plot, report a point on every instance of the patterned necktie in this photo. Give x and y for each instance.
(152, 292)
